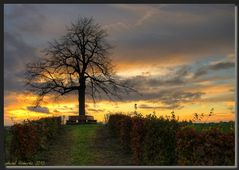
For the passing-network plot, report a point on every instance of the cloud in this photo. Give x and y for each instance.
(165, 35)
(215, 66)
(171, 99)
(178, 36)
(146, 106)
(95, 110)
(25, 18)
(173, 77)
(222, 65)
(220, 98)
(38, 109)
(200, 72)
(16, 54)
(168, 89)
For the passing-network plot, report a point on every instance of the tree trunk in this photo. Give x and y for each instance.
(81, 99)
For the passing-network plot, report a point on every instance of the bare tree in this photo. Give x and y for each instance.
(78, 61)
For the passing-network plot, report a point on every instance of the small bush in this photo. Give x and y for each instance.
(32, 137)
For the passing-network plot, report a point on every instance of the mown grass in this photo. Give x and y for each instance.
(83, 152)
(222, 126)
(73, 146)
(86, 145)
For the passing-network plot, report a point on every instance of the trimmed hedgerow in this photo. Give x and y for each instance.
(209, 147)
(160, 141)
(137, 139)
(32, 137)
(114, 124)
(124, 136)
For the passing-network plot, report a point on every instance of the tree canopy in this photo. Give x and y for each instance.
(78, 61)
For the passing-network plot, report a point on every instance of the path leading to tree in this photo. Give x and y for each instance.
(86, 145)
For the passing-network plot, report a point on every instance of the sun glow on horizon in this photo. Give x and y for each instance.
(17, 113)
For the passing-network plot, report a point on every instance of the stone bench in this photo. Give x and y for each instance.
(80, 120)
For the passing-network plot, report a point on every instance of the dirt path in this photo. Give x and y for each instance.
(87, 145)
(59, 153)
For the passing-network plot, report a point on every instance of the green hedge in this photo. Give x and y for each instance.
(30, 138)
(137, 139)
(209, 147)
(125, 128)
(160, 141)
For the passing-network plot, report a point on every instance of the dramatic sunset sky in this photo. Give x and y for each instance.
(179, 57)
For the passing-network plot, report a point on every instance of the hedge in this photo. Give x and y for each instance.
(209, 147)
(160, 141)
(31, 137)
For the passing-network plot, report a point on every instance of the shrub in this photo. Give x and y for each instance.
(114, 124)
(124, 136)
(31, 137)
(186, 140)
(25, 142)
(137, 139)
(160, 141)
(209, 147)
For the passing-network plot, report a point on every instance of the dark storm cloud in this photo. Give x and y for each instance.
(185, 34)
(38, 109)
(171, 98)
(222, 65)
(171, 82)
(151, 34)
(16, 51)
(19, 10)
(144, 82)
(166, 33)
(200, 72)
(24, 18)
(168, 89)
(176, 77)
(16, 54)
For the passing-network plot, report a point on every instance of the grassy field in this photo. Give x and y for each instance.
(86, 145)
(222, 126)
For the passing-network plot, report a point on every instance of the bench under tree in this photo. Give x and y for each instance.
(82, 119)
